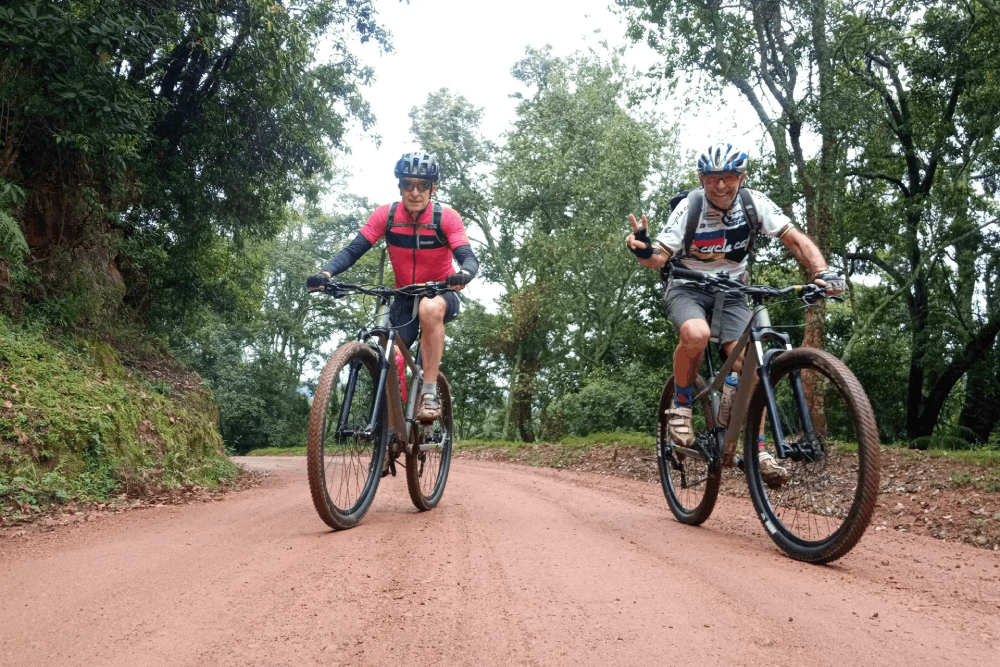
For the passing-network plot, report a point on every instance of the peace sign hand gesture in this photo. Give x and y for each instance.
(638, 241)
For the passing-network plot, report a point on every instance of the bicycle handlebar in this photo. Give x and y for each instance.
(427, 290)
(811, 292)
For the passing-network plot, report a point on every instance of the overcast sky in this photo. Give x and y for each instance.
(469, 47)
(466, 46)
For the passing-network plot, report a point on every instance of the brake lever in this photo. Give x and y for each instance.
(812, 293)
(335, 290)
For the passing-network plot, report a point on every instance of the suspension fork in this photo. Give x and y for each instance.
(784, 450)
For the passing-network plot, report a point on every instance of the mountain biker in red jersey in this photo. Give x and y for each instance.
(422, 238)
(721, 242)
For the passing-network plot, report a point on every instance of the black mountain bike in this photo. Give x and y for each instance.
(358, 420)
(820, 425)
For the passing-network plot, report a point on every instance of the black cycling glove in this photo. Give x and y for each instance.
(460, 278)
(317, 282)
(643, 237)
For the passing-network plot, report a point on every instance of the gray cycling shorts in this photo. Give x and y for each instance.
(685, 302)
(401, 315)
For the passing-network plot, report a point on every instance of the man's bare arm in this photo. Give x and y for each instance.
(804, 250)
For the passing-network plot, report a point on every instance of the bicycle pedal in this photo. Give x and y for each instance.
(739, 463)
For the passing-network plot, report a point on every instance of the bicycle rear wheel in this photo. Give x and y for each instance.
(824, 507)
(344, 456)
(690, 482)
(427, 468)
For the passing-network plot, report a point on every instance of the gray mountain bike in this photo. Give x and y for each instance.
(819, 424)
(358, 419)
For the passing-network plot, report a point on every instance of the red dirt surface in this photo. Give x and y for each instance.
(517, 566)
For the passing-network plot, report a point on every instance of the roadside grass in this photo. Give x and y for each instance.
(559, 453)
(277, 451)
(76, 425)
(556, 454)
(571, 450)
(987, 475)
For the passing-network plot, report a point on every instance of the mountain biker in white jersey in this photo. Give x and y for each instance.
(721, 242)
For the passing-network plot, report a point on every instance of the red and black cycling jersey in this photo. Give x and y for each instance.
(417, 255)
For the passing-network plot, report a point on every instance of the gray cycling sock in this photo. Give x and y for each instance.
(428, 388)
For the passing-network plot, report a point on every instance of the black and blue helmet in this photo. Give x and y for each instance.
(418, 164)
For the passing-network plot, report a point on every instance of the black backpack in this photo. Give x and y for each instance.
(694, 213)
(418, 241)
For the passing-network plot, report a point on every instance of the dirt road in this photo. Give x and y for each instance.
(518, 566)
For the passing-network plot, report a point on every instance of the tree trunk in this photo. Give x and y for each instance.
(981, 411)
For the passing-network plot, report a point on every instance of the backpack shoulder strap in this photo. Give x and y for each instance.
(753, 219)
(694, 199)
(438, 227)
(392, 215)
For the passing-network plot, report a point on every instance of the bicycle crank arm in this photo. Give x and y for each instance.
(691, 453)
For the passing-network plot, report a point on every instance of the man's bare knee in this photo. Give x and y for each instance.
(695, 334)
(433, 309)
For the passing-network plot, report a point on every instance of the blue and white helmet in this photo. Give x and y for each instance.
(417, 164)
(723, 158)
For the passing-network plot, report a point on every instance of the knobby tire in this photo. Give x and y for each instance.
(824, 508)
(344, 468)
(427, 466)
(690, 485)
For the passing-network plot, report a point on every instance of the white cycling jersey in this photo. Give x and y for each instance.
(721, 240)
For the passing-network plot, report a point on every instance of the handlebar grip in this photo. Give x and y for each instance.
(687, 274)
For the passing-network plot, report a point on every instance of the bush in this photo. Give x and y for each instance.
(605, 405)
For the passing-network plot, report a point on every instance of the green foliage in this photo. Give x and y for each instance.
(626, 402)
(258, 359)
(75, 424)
(172, 137)
(475, 373)
(259, 406)
(13, 247)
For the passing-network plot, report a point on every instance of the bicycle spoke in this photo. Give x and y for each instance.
(344, 463)
(689, 482)
(821, 506)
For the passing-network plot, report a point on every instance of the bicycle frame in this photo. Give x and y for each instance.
(387, 388)
(756, 362)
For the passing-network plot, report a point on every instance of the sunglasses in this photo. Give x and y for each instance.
(727, 178)
(421, 186)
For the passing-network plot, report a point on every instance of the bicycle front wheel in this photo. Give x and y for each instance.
(821, 500)
(427, 466)
(345, 452)
(690, 482)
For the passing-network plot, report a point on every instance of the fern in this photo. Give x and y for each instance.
(13, 247)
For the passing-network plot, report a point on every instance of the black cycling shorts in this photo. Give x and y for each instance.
(406, 325)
